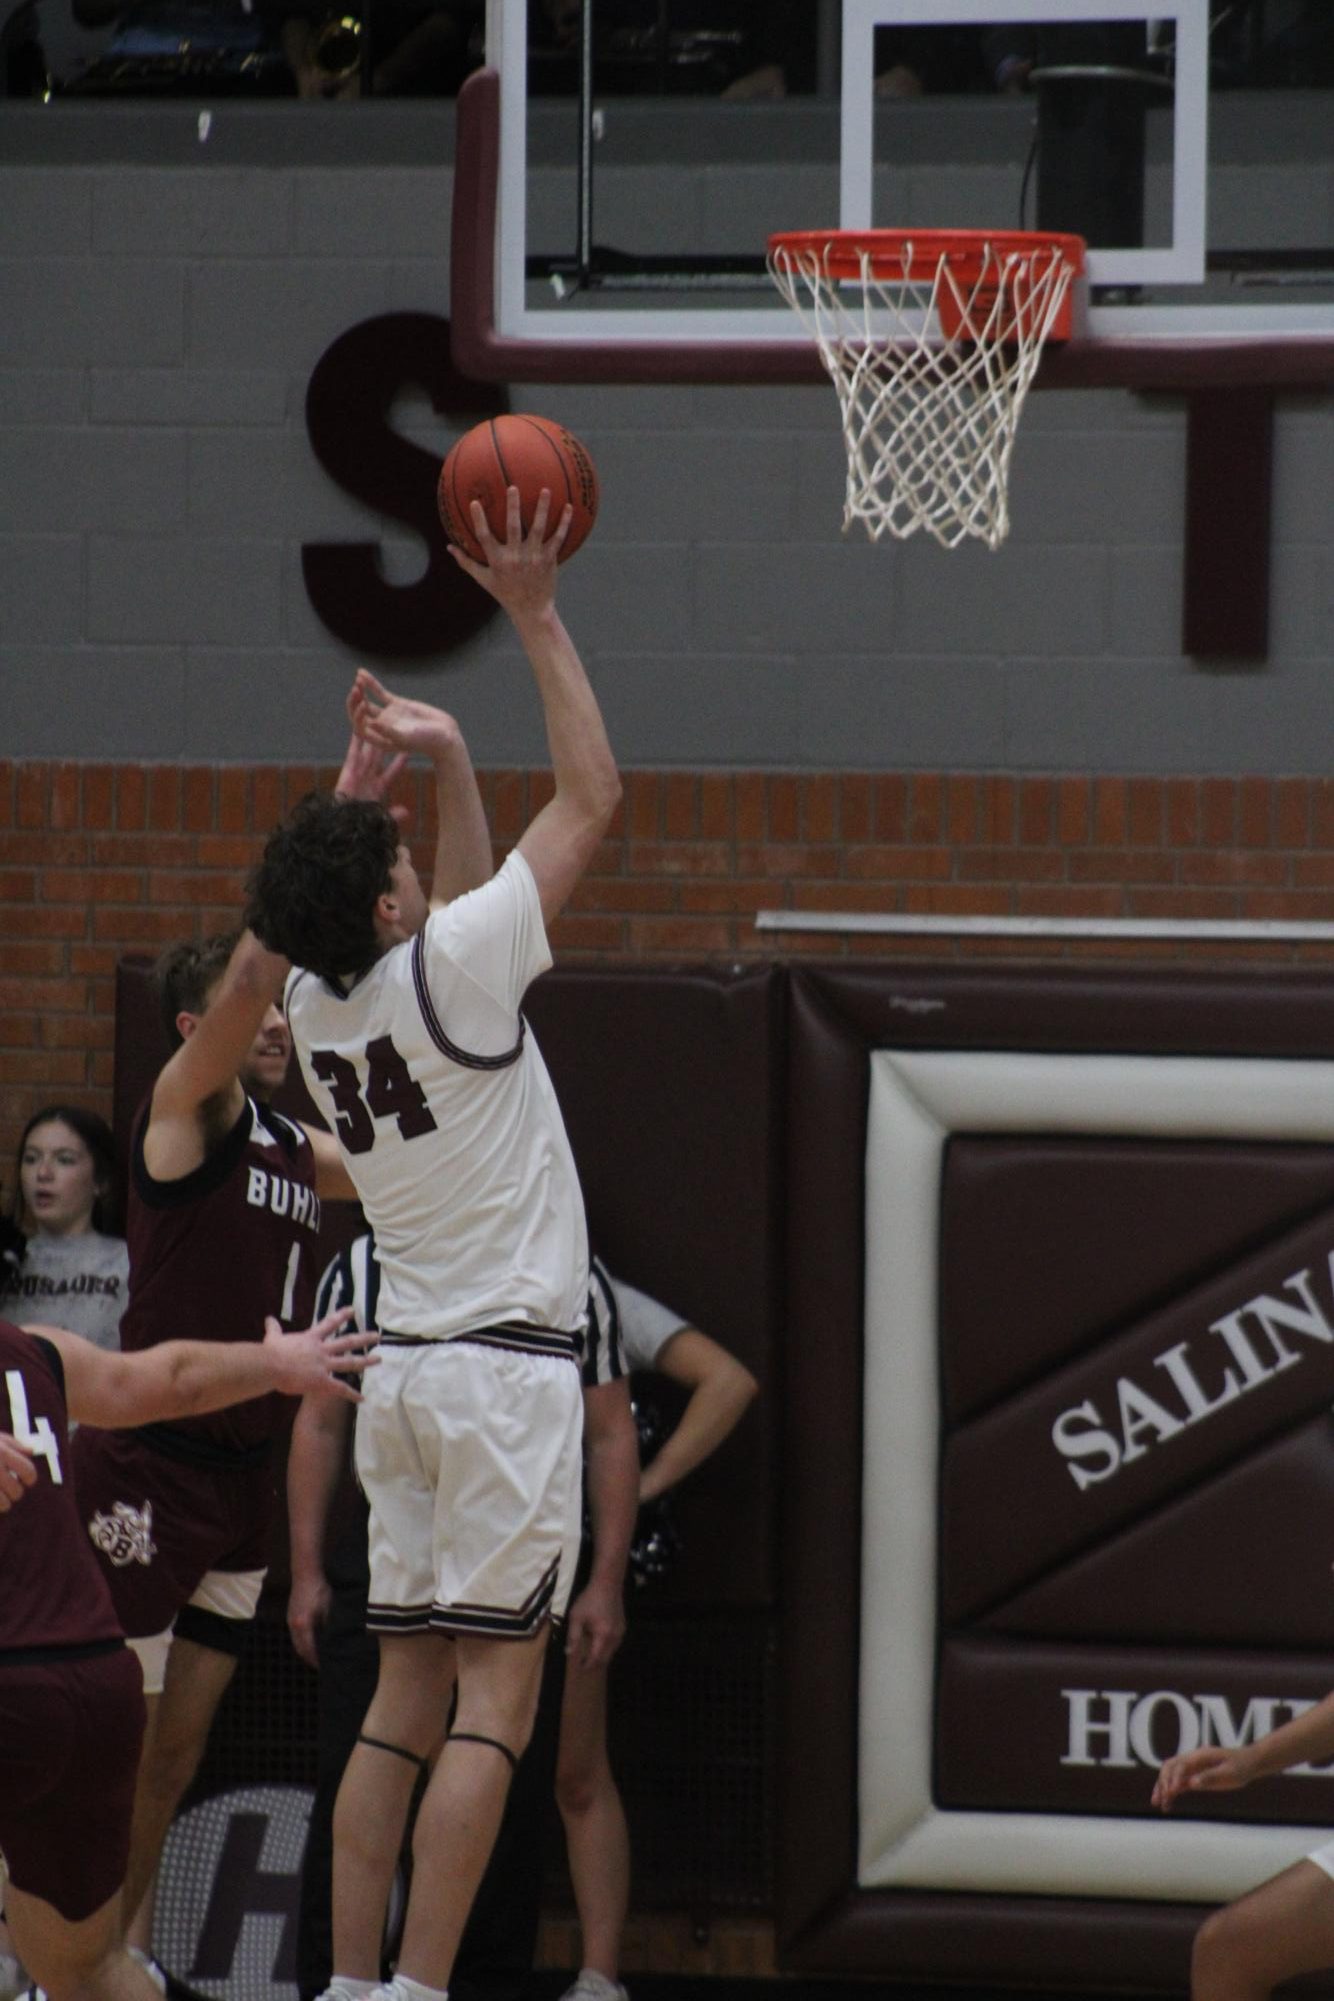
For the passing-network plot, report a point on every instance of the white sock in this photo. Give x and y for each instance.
(415, 1991)
(356, 1990)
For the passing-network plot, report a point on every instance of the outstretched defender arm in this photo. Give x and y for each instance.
(200, 1080)
(385, 722)
(114, 1390)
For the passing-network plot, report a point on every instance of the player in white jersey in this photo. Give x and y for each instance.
(488, 1224)
(406, 1020)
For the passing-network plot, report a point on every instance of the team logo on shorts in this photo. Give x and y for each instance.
(125, 1535)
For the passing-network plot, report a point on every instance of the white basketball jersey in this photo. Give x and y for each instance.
(448, 1121)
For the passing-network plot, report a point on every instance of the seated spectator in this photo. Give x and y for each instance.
(66, 1270)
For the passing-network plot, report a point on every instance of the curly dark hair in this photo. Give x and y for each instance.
(186, 974)
(313, 895)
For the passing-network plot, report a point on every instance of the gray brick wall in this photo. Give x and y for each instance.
(165, 303)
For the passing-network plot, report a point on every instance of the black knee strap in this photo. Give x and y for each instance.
(378, 1744)
(470, 1737)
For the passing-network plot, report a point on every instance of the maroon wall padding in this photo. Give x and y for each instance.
(1029, 1763)
(670, 1086)
(1277, 1498)
(1069, 1264)
(669, 1081)
(989, 1551)
(820, 1506)
(1139, 1220)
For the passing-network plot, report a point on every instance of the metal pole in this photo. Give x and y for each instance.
(585, 221)
(828, 48)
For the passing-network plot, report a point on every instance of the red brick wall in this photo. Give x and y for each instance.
(96, 860)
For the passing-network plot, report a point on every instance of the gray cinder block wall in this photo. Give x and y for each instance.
(166, 296)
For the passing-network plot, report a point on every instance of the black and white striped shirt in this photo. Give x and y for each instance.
(625, 1327)
(352, 1279)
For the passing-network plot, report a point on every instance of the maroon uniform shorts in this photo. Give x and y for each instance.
(160, 1523)
(71, 1727)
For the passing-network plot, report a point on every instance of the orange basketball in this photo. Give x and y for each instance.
(523, 451)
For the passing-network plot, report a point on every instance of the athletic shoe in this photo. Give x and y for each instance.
(591, 1986)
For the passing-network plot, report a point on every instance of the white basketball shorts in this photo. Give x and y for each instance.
(471, 1458)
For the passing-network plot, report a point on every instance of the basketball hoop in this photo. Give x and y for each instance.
(932, 338)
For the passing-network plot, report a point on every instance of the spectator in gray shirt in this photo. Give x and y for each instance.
(62, 1267)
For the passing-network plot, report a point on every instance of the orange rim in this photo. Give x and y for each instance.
(842, 252)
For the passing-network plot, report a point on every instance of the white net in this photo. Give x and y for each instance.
(932, 355)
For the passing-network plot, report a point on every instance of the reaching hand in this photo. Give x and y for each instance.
(17, 1471)
(1208, 1770)
(520, 572)
(385, 723)
(367, 773)
(316, 1360)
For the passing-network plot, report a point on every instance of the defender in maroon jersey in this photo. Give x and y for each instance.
(71, 1694)
(222, 1226)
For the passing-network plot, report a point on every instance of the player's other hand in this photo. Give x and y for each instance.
(17, 1472)
(385, 723)
(317, 1360)
(1208, 1770)
(595, 1627)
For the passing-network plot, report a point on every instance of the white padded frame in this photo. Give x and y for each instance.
(916, 1100)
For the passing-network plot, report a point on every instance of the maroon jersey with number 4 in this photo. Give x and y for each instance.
(52, 1592)
(213, 1253)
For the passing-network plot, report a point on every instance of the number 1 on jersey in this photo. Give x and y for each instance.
(289, 1284)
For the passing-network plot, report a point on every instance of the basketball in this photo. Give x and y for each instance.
(523, 451)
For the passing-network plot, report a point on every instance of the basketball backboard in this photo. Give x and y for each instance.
(622, 236)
